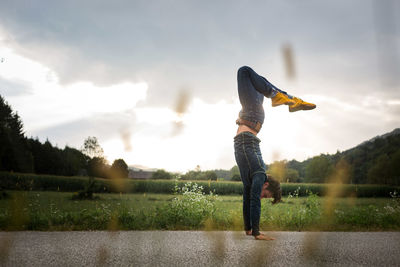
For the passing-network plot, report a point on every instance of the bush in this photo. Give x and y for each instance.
(87, 193)
(191, 207)
(298, 216)
(236, 177)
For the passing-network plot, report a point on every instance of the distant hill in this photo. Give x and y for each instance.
(376, 160)
(395, 132)
(363, 157)
(137, 167)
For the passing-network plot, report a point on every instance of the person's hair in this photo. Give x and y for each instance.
(275, 188)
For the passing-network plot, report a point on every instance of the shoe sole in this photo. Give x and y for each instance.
(302, 107)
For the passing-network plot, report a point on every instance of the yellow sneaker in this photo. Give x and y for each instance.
(301, 105)
(281, 99)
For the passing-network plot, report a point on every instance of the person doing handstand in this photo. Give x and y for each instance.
(252, 89)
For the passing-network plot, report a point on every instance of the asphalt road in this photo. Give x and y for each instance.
(198, 248)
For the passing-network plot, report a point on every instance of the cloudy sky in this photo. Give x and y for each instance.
(155, 81)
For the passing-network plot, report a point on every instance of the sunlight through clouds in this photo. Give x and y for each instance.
(208, 130)
(394, 102)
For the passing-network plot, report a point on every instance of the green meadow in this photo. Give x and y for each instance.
(189, 208)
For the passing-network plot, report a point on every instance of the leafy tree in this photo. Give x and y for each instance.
(209, 175)
(98, 167)
(236, 177)
(380, 171)
(298, 166)
(319, 168)
(92, 148)
(191, 175)
(224, 174)
(199, 175)
(119, 169)
(292, 176)
(234, 172)
(162, 174)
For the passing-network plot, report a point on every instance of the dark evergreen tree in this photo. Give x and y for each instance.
(75, 162)
(394, 168)
(20, 154)
(14, 149)
(380, 171)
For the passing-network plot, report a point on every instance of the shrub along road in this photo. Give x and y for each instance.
(198, 248)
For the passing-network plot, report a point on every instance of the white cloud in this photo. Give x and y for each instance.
(48, 103)
(394, 102)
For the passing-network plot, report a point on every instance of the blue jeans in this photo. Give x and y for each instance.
(252, 172)
(252, 89)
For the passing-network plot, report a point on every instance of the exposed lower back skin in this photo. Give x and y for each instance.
(244, 128)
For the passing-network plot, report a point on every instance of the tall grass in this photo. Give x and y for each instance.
(18, 181)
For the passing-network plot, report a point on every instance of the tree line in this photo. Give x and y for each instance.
(376, 161)
(28, 155)
(198, 174)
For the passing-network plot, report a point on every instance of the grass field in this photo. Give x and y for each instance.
(39, 210)
(35, 182)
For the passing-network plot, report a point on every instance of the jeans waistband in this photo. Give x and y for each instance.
(246, 135)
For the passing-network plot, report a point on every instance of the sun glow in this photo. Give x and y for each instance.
(207, 128)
